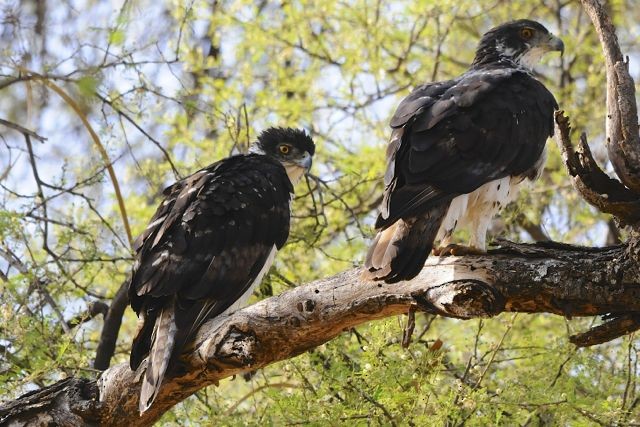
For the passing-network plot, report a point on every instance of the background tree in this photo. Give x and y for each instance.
(131, 99)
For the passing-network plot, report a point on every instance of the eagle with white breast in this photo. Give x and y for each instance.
(460, 149)
(209, 244)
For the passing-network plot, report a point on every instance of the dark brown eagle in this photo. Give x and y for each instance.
(209, 244)
(460, 148)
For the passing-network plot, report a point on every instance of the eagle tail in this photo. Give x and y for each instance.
(142, 340)
(162, 343)
(399, 251)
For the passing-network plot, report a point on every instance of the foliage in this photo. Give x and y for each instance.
(171, 87)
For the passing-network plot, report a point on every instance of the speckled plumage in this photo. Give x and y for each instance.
(208, 245)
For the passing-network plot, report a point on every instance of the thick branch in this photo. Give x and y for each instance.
(623, 139)
(551, 278)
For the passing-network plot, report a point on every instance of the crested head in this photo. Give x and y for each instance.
(293, 148)
(518, 43)
(270, 138)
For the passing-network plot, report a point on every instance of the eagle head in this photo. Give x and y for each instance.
(291, 147)
(521, 43)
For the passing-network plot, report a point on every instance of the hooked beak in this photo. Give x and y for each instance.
(555, 43)
(306, 161)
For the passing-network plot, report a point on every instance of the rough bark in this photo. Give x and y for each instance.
(594, 185)
(623, 139)
(542, 278)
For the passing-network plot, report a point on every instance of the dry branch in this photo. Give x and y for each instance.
(623, 139)
(94, 309)
(593, 184)
(619, 198)
(48, 81)
(612, 329)
(22, 130)
(551, 278)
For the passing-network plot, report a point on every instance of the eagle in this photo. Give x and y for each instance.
(209, 244)
(459, 150)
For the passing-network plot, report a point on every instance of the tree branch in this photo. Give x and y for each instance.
(95, 308)
(608, 331)
(22, 130)
(111, 327)
(595, 186)
(534, 230)
(623, 139)
(549, 277)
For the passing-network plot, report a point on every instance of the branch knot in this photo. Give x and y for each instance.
(463, 299)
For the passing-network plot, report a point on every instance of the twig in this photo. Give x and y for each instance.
(561, 368)
(495, 351)
(374, 402)
(94, 308)
(155, 142)
(103, 152)
(630, 373)
(22, 130)
(233, 408)
(411, 324)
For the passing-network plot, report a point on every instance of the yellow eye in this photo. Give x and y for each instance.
(284, 149)
(526, 33)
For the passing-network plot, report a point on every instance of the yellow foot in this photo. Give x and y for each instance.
(457, 250)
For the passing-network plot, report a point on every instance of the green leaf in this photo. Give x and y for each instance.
(116, 37)
(87, 86)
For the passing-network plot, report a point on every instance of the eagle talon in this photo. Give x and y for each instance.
(457, 250)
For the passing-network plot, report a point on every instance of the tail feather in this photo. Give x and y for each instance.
(142, 341)
(162, 343)
(400, 251)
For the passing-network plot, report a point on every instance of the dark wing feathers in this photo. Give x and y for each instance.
(210, 238)
(200, 302)
(417, 101)
(460, 134)
(217, 213)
